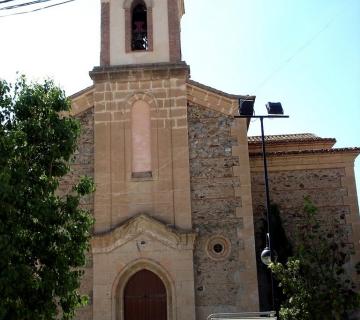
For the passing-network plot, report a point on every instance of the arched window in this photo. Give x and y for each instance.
(139, 27)
(141, 139)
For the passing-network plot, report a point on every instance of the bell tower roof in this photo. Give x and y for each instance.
(140, 31)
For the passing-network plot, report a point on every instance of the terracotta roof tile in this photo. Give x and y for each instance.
(298, 137)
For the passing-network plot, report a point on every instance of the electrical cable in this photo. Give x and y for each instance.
(299, 50)
(38, 9)
(5, 1)
(258, 87)
(15, 6)
(288, 60)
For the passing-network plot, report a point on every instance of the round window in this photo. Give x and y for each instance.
(218, 247)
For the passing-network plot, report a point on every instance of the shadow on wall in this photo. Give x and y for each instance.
(282, 247)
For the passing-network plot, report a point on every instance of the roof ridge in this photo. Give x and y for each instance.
(289, 135)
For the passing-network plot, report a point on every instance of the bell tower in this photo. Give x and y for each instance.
(142, 203)
(140, 31)
(140, 115)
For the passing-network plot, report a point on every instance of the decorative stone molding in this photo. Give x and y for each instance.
(82, 101)
(128, 272)
(214, 99)
(142, 224)
(148, 97)
(141, 72)
(310, 159)
(218, 247)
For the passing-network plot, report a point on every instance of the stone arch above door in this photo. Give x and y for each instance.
(143, 243)
(132, 269)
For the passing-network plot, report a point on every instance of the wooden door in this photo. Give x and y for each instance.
(145, 297)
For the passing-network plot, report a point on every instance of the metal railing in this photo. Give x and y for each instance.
(269, 315)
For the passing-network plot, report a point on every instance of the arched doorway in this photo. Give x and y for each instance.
(145, 297)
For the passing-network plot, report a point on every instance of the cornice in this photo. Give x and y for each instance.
(213, 99)
(134, 72)
(354, 151)
(219, 92)
(82, 100)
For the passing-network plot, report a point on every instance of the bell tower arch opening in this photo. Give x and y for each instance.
(139, 26)
(140, 31)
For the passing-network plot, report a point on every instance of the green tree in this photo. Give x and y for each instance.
(314, 280)
(43, 236)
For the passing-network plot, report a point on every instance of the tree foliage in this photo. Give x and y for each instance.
(43, 236)
(314, 280)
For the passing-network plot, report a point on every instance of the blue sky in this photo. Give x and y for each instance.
(305, 54)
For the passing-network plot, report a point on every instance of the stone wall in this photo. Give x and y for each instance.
(83, 164)
(288, 189)
(219, 285)
(324, 186)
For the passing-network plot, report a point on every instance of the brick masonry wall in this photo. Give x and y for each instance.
(218, 285)
(288, 189)
(83, 164)
(174, 31)
(105, 34)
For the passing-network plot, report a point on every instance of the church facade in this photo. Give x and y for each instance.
(178, 180)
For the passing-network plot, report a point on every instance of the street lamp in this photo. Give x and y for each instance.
(275, 110)
(266, 257)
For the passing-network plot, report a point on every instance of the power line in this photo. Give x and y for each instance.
(5, 1)
(38, 9)
(300, 49)
(15, 6)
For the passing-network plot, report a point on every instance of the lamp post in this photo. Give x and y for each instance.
(275, 111)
